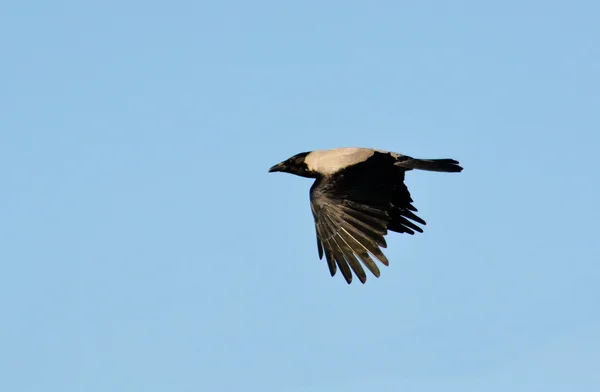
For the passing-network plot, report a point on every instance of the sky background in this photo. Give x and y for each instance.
(144, 247)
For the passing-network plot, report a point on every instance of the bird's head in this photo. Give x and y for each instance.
(294, 165)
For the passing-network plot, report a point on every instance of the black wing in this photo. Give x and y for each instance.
(353, 211)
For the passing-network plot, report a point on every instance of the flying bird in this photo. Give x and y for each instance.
(357, 197)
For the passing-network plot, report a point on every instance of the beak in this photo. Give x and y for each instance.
(277, 168)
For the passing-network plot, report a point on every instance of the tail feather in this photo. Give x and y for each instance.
(437, 165)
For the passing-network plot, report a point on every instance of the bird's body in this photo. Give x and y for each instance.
(358, 195)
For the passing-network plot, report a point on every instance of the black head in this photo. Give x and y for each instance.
(294, 165)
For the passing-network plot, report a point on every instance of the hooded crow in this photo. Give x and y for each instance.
(358, 195)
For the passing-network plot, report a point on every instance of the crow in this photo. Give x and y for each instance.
(358, 195)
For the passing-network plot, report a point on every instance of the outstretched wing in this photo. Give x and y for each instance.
(348, 232)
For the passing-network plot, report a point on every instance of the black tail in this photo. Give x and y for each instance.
(437, 165)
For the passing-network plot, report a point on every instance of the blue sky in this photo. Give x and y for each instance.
(145, 247)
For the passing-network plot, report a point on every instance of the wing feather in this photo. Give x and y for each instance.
(349, 255)
(330, 262)
(341, 261)
(348, 234)
(361, 251)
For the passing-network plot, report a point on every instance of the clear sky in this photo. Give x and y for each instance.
(144, 246)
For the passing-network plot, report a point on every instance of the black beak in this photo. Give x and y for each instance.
(277, 168)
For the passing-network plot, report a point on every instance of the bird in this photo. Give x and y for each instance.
(358, 196)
